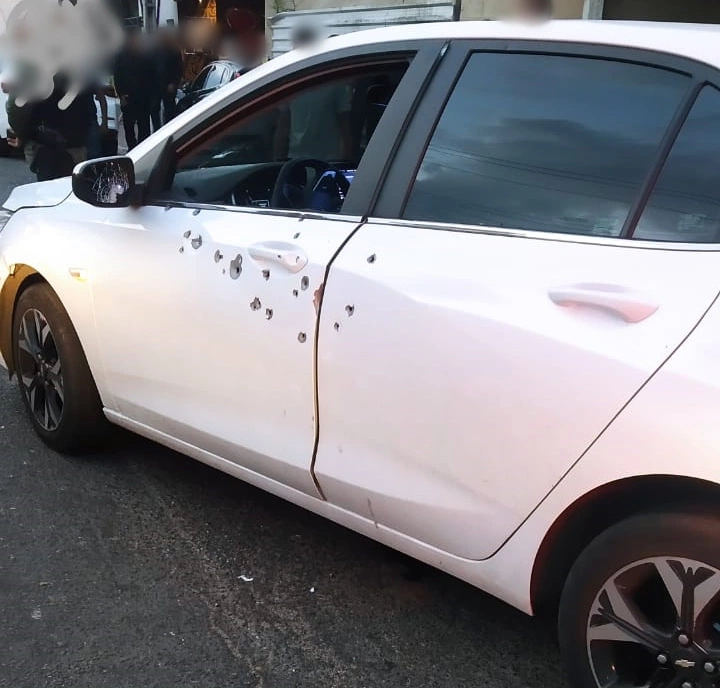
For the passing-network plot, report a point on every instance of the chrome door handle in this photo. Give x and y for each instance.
(291, 257)
(632, 307)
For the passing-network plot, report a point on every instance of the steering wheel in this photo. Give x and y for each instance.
(293, 190)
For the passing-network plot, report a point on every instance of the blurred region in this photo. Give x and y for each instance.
(46, 39)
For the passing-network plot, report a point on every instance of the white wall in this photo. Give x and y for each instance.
(471, 9)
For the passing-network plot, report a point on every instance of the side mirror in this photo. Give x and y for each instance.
(106, 182)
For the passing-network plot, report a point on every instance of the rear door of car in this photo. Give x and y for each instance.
(496, 313)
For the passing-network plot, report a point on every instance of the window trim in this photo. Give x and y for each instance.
(392, 199)
(423, 54)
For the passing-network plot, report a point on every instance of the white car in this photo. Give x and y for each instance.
(453, 286)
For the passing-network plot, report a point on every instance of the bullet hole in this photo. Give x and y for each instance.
(304, 283)
(337, 327)
(218, 256)
(196, 243)
(302, 337)
(372, 258)
(268, 313)
(224, 271)
(297, 235)
(255, 304)
(187, 234)
(182, 249)
(266, 275)
(196, 211)
(350, 310)
(236, 267)
(295, 293)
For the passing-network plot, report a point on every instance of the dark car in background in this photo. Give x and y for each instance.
(212, 77)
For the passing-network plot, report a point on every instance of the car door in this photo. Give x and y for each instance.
(496, 311)
(208, 316)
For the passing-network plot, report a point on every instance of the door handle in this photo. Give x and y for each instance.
(633, 307)
(291, 257)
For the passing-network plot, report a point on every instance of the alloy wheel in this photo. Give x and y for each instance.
(39, 369)
(656, 624)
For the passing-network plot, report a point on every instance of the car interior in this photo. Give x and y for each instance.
(246, 164)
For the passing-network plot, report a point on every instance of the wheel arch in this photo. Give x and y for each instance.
(603, 507)
(21, 277)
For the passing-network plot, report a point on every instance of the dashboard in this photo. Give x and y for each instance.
(240, 185)
(247, 185)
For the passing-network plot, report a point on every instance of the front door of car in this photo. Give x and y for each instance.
(208, 318)
(502, 316)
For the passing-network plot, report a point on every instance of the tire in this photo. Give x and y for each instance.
(5, 149)
(55, 381)
(618, 622)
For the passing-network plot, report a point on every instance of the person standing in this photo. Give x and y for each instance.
(53, 140)
(99, 126)
(136, 84)
(316, 123)
(171, 69)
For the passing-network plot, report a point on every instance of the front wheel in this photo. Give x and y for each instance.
(55, 381)
(641, 606)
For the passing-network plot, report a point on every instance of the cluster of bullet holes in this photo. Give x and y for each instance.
(350, 311)
(196, 242)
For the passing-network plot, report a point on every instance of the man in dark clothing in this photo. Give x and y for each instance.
(54, 140)
(169, 63)
(135, 83)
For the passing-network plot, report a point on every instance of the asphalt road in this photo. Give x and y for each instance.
(126, 569)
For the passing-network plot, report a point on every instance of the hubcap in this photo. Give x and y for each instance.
(656, 624)
(39, 369)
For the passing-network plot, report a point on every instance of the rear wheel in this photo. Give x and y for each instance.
(55, 382)
(641, 606)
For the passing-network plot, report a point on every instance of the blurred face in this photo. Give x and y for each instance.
(304, 37)
(532, 9)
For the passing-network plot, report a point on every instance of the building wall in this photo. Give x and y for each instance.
(471, 9)
(491, 9)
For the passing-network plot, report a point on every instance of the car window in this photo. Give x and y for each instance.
(215, 77)
(685, 205)
(201, 78)
(546, 143)
(323, 129)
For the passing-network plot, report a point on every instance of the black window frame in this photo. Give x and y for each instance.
(392, 198)
(426, 55)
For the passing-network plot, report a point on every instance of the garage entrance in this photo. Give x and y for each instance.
(695, 11)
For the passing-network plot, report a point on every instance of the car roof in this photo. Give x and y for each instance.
(697, 41)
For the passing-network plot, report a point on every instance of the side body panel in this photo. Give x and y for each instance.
(456, 388)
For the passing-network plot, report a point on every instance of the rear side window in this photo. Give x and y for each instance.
(685, 205)
(545, 143)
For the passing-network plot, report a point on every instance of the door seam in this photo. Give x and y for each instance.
(606, 428)
(316, 367)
